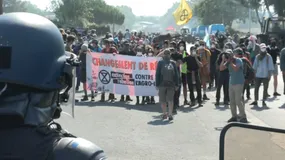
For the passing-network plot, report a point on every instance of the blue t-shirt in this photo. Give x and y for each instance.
(236, 77)
(97, 49)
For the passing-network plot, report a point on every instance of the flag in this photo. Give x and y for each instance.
(183, 13)
(207, 38)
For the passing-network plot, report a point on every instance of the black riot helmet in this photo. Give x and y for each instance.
(34, 67)
(32, 51)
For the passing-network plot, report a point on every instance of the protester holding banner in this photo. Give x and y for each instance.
(82, 56)
(150, 99)
(94, 46)
(126, 51)
(167, 81)
(140, 53)
(109, 50)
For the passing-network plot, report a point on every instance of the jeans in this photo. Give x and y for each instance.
(235, 92)
(213, 75)
(258, 82)
(176, 98)
(223, 81)
(197, 85)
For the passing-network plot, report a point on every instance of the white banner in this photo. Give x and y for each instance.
(119, 74)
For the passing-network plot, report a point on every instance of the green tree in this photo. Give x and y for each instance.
(21, 6)
(14, 6)
(86, 12)
(220, 11)
(130, 17)
(279, 6)
(255, 6)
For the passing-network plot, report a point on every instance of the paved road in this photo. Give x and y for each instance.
(130, 132)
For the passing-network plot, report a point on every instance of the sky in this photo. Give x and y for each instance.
(139, 7)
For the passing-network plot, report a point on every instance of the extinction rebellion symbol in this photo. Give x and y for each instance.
(104, 77)
(184, 15)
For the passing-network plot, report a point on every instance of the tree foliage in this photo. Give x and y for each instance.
(86, 12)
(279, 6)
(220, 11)
(130, 17)
(21, 6)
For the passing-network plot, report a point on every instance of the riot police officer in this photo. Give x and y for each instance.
(34, 68)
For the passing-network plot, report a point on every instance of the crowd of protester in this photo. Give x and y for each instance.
(232, 64)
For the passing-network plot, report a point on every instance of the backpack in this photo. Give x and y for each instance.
(167, 74)
(248, 71)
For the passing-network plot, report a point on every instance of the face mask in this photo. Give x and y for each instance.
(150, 54)
(213, 46)
(263, 49)
(139, 54)
(103, 46)
(193, 53)
(167, 56)
(181, 48)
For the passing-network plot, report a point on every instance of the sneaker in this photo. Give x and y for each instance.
(92, 98)
(85, 98)
(276, 94)
(243, 120)
(170, 118)
(205, 97)
(217, 103)
(263, 103)
(200, 104)
(185, 102)
(233, 119)
(164, 116)
(192, 104)
(128, 98)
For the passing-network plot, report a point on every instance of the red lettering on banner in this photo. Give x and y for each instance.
(143, 66)
(152, 65)
(114, 63)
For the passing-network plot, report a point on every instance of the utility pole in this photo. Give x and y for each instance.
(1, 7)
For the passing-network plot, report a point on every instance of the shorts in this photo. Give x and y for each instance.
(184, 78)
(166, 94)
(275, 72)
